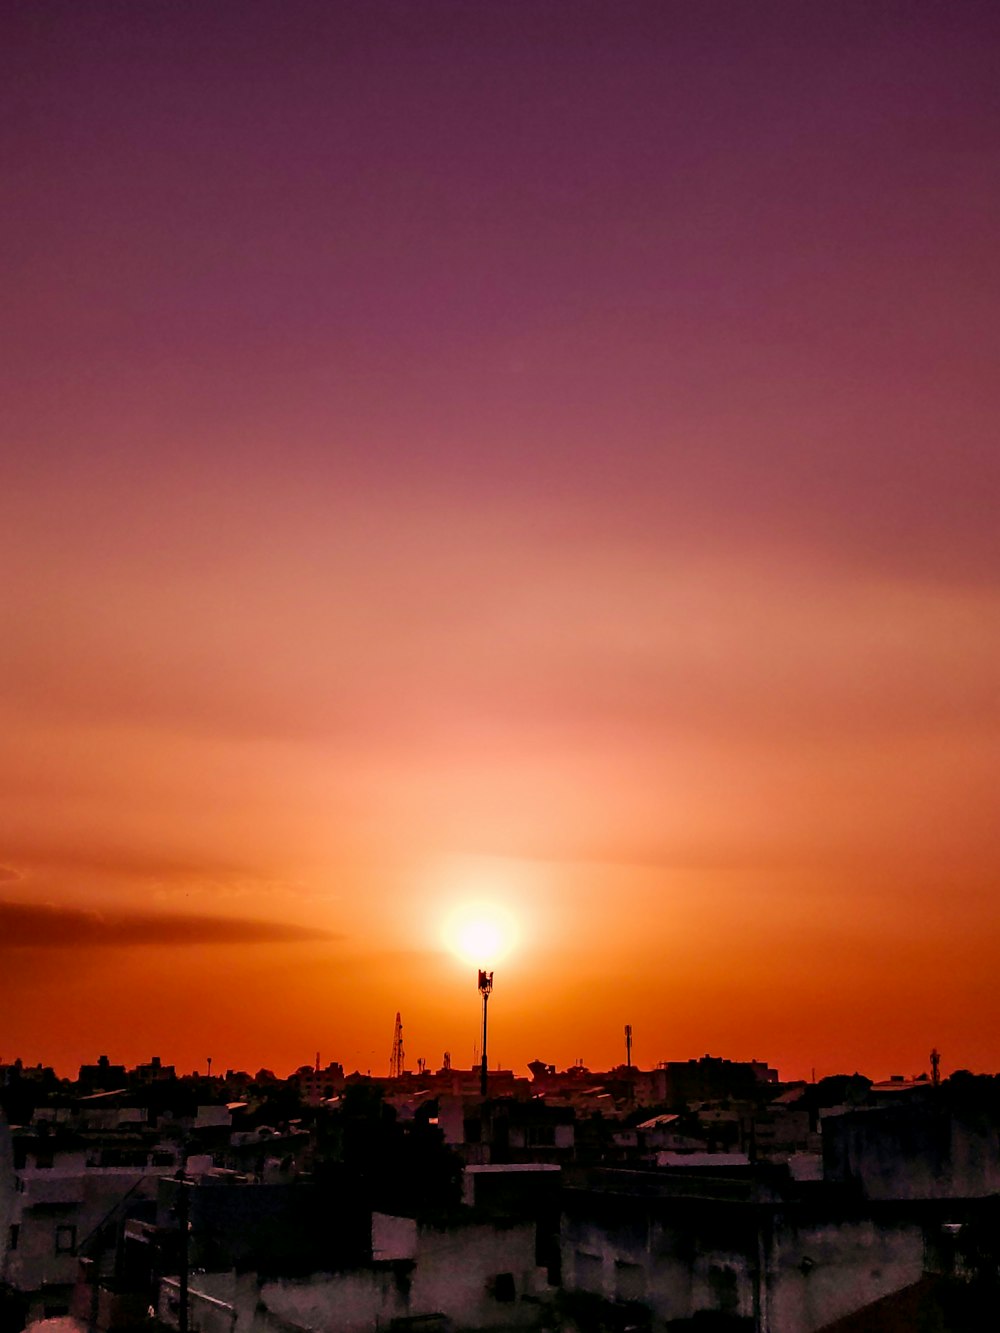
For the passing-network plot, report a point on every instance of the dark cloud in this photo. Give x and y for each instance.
(25, 925)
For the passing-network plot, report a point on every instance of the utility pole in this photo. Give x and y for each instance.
(935, 1068)
(628, 1046)
(182, 1276)
(485, 987)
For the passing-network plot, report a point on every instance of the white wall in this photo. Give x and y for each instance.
(453, 1274)
(816, 1273)
(393, 1237)
(84, 1197)
(820, 1273)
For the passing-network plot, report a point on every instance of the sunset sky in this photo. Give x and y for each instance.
(535, 456)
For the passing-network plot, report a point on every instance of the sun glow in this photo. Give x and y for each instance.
(480, 934)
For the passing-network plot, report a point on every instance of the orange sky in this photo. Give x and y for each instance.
(431, 476)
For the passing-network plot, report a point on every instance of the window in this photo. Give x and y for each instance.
(503, 1287)
(589, 1271)
(65, 1240)
(541, 1136)
(630, 1281)
(725, 1287)
(15, 1231)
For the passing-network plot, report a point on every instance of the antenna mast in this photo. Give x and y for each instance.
(485, 988)
(396, 1059)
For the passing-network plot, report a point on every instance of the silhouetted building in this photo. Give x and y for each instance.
(154, 1072)
(102, 1077)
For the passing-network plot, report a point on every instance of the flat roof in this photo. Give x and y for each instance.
(510, 1168)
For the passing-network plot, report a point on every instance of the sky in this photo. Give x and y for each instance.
(532, 459)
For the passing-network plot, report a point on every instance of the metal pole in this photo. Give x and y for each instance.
(485, 1066)
(485, 986)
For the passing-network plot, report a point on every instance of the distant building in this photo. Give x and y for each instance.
(319, 1085)
(154, 1072)
(711, 1078)
(102, 1077)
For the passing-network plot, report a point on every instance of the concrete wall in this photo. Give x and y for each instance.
(897, 1153)
(454, 1273)
(676, 1258)
(8, 1189)
(819, 1271)
(206, 1313)
(519, 1189)
(352, 1302)
(393, 1237)
(451, 1120)
(685, 1256)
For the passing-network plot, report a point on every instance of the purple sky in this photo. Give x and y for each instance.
(552, 434)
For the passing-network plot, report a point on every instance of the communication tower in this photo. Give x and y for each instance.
(396, 1059)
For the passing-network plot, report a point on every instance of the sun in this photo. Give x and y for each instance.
(480, 934)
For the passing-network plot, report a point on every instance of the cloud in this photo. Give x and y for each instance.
(108, 859)
(25, 925)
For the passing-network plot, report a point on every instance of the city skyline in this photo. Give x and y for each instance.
(410, 1069)
(533, 459)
